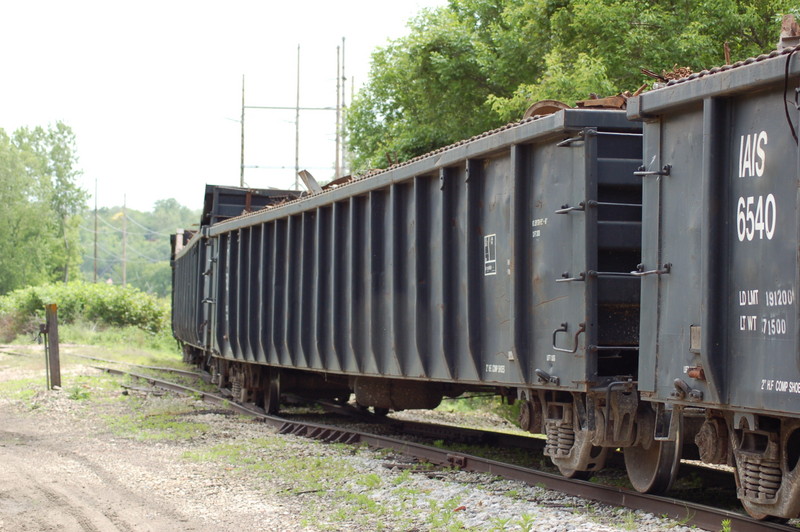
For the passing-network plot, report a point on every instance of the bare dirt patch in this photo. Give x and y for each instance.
(62, 467)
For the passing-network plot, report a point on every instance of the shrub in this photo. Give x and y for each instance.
(104, 304)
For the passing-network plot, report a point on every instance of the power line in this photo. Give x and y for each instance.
(147, 228)
(116, 260)
(88, 230)
(120, 258)
(118, 230)
(145, 256)
(148, 231)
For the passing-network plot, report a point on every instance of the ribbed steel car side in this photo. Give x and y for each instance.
(455, 267)
(189, 289)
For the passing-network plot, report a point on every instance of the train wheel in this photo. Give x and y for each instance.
(595, 460)
(755, 514)
(653, 469)
(575, 474)
(272, 392)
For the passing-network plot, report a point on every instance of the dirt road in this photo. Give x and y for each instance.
(62, 474)
(63, 467)
(54, 478)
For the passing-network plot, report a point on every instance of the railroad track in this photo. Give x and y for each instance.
(681, 510)
(684, 511)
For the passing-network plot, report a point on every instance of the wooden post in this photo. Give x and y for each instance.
(54, 366)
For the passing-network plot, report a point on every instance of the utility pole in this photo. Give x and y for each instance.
(344, 113)
(95, 229)
(340, 148)
(241, 163)
(124, 241)
(52, 360)
(297, 128)
(338, 169)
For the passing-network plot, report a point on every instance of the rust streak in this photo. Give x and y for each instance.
(549, 301)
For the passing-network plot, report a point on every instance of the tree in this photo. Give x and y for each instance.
(148, 244)
(476, 64)
(429, 88)
(38, 229)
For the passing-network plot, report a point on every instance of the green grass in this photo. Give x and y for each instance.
(89, 333)
(156, 419)
(23, 390)
(132, 344)
(370, 481)
(442, 515)
(467, 404)
(324, 476)
(275, 460)
(155, 427)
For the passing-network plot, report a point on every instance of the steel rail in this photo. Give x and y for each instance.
(683, 511)
(469, 436)
(4, 350)
(155, 368)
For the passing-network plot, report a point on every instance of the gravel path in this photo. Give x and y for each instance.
(88, 458)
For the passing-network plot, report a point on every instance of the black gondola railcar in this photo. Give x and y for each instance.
(634, 288)
(500, 263)
(719, 329)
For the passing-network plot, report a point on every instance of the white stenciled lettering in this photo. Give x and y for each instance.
(748, 297)
(756, 216)
(744, 156)
(748, 323)
(761, 157)
(538, 222)
(778, 385)
(752, 155)
(779, 298)
(773, 326)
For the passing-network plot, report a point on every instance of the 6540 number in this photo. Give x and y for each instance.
(755, 215)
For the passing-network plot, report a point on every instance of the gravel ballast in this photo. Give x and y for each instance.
(88, 457)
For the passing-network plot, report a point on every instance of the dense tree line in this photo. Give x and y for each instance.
(147, 244)
(477, 64)
(47, 232)
(40, 204)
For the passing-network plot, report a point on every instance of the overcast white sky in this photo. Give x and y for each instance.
(152, 89)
